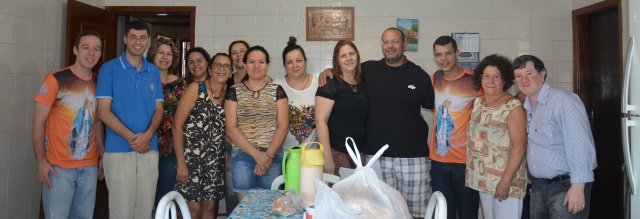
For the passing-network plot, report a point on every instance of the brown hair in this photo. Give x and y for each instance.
(153, 50)
(337, 70)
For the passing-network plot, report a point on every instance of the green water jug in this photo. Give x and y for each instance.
(291, 169)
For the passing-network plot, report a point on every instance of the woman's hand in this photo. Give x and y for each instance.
(263, 159)
(260, 170)
(227, 161)
(182, 174)
(329, 166)
(502, 190)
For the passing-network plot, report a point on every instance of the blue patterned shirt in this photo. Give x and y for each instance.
(559, 136)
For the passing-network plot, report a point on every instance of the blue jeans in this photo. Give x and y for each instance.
(166, 177)
(72, 193)
(547, 197)
(242, 166)
(449, 179)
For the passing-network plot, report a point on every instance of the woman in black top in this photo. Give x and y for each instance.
(342, 108)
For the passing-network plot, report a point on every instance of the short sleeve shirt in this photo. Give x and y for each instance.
(257, 115)
(454, 103)
(133, 97)
(349, 114)
(302, 109)
(69, 132)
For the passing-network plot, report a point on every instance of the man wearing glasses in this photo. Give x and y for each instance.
(454, 94)
(130, 104)
(561, 155)
(397, 89)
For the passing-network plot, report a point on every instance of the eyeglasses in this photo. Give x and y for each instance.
(394, 41)
(218, 66)
(141, 37)
(440, 54)
(486, 77)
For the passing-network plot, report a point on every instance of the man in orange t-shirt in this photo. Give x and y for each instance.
(454, 94)
(68, 138)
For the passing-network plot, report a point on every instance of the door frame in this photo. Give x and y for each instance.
(114, 11)
(580, 56)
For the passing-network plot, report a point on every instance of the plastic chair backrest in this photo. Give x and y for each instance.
(437, 203)
(166, 206)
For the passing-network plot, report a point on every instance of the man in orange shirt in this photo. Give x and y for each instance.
(68, 137)
(454, 94)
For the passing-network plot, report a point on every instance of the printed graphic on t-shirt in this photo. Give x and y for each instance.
(444, 128)
(79, 139)
(69, 133)
(454, 104)
(301, 121)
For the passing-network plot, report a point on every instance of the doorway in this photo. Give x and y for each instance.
(166, 21)
(597, 80)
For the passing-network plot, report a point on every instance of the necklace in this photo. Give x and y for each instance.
(354, 87)
(305, 82)
(488, 102)
(213, 93)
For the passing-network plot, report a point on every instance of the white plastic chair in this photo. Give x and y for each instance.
(330, 178)
(437, 203)
(166, 206)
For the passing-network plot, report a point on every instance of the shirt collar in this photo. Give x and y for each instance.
(543, 96)
(126, 65)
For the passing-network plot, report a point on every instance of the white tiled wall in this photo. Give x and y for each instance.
(509, 27)
(31, 45)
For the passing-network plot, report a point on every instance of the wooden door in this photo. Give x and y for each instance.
(598, 81)
(83, 17)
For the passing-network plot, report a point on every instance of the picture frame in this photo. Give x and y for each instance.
(410, 29)
(330, 23)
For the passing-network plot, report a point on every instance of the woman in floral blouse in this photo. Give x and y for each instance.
(164, 54)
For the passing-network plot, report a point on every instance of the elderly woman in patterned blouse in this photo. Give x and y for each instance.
(497, 142)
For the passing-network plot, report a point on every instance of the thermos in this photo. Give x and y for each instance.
(291, 169)
(312, 161)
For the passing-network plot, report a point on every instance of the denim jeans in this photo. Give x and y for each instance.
(166, 177)
(72, 193)
(242, 166)
(449, 179)
(547, 197)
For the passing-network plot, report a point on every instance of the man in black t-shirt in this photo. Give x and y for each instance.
(397, 90)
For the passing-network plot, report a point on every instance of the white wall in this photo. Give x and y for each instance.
(31, 45)
(33, 31)
(509, 27)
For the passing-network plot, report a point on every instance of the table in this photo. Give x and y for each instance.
(258, 204)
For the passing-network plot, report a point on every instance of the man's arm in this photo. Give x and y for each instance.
(144, 139)
(580, 151)
(113, 122)
(40, 115)
(100, 141)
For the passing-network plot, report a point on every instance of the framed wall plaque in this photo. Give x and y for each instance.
(330, 23)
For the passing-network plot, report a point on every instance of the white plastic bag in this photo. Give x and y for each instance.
(328, 204)
(376, 199)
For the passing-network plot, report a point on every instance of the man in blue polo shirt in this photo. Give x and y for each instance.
(130, 99)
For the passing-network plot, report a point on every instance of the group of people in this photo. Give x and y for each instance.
(216, 134)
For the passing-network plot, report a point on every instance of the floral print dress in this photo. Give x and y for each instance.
(204, 134)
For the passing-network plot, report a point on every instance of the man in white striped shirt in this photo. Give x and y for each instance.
(560, 153)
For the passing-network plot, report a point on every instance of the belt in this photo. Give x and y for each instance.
(554, 179)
